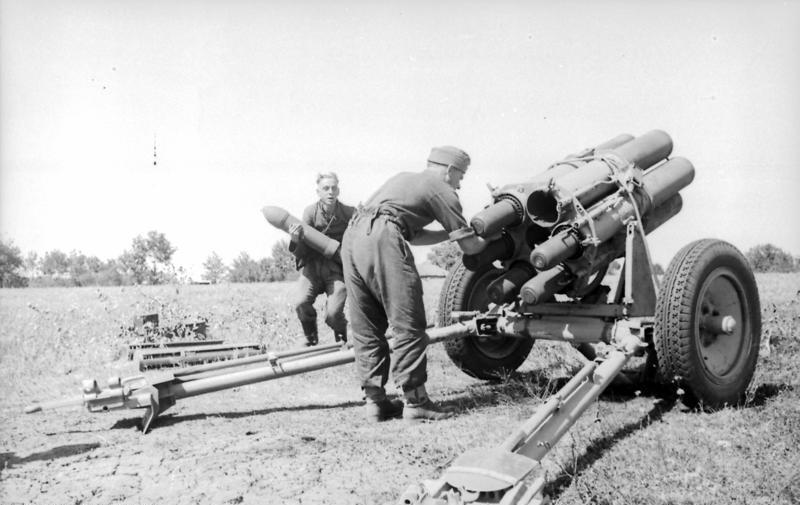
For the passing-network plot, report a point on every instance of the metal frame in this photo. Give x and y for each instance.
(511, 473)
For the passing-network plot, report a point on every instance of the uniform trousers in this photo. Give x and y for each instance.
(316, 277)
(385, 290)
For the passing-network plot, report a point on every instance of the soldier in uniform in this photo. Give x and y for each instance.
(384, 287)
(319, 274)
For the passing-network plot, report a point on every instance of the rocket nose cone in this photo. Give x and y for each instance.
(275, 215)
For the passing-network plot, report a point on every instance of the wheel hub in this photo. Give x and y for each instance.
(720, 329)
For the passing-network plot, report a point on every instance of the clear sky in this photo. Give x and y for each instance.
(247, 101)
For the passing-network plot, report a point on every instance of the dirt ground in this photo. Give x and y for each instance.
(299, 440)
(302, 439)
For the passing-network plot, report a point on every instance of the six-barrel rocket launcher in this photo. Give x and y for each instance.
(698, 328)
(559, 231)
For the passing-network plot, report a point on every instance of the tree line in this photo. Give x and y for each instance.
(278, 267)
(147, 261)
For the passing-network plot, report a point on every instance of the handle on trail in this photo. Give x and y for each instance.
(55, 404)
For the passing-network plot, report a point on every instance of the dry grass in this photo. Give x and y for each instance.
(634, 446)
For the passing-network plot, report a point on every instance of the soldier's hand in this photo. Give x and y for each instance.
(296, 232)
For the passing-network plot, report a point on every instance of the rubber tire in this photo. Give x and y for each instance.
(677, 335)
(464, 290)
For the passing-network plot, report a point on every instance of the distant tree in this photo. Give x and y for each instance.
(149, 260)
(111, 273)
(83, 269)
(244, 269)
(769, 258)
(268, 271)
(10, 263)
(31, 265)
(283, 262)
(215, 269)
(55, 263)
(658, 269)
(445, 255)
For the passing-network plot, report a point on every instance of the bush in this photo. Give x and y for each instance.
(769, 258)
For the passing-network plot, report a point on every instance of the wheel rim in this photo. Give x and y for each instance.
(722, 324)
(494, 348)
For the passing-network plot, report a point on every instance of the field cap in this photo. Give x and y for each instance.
(450, 156)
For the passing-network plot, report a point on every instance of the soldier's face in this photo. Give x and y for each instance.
(328, 190)
(454, 177)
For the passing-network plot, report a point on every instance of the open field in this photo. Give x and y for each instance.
(302, 439)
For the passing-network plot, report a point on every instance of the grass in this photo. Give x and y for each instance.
(633, 446)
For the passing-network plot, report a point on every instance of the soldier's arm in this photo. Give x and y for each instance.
(468, 241)
(429, 237)
(448, 212)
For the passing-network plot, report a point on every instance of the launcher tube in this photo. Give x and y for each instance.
(545, 284)
(504, 288)
(592, 181)
(505, 212)
(500, 249)
(508, 209)
(609, 216)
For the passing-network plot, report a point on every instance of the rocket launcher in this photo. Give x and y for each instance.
(565, 225)
(557, 234)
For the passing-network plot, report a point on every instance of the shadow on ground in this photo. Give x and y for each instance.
(8, 459)
(169, 420)
(765, 392)
(598, 447)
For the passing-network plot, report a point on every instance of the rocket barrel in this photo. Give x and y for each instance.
(567, 244)
(545, 284)
(575, 161)
(281, 219)
(553, 280)
(646, 150)
(508, 209)
(608, 217)
(591, 182)
(505, 212)
(505, 288)
(613, 143)
(500, 249)
(553, 251)
(665, 180)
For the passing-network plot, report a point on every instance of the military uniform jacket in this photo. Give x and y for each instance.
(415, 199)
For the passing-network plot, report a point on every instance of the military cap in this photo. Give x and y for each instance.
(450, 156)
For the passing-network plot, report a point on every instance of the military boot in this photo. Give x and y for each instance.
(380, 408)
(309, 329)
(312, 340)
(419, 407)
(340, 336)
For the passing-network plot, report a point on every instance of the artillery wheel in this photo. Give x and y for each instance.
(480, 357)
(708, 324)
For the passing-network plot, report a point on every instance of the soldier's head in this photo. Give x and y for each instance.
(450, 162)
(328, 187)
